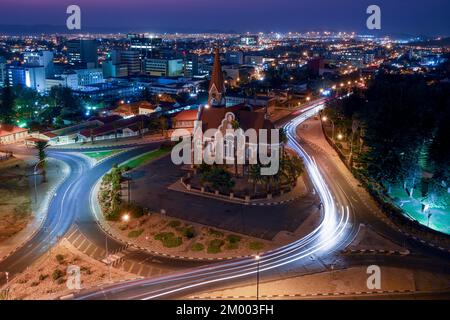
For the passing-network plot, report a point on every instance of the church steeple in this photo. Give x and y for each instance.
(216, 90)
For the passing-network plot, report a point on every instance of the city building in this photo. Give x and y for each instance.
(12, 134)
(114, 70)
(131, 59)
(41, 59)
(234, 57)
(29, 76)
(191, 65)
(87, 77)
(3, 73)
(82, 51)
(249, 40)
(164, 67)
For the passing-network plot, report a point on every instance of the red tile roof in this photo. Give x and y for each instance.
(7, 129)
(186, 115)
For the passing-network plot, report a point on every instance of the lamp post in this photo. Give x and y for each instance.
(35, 182)
(332, 126)
(257, 258)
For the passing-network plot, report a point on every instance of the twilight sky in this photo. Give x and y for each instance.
(431, 17)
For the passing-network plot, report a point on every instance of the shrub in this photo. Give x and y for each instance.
(42, 277)
(189, 232)
(215, 233)
(57, 274)
(135, 233)
(197, 247)
(215, 245)
(60, 258)
(174, 223)
(232, 246)
(168, 239)
(232, 238)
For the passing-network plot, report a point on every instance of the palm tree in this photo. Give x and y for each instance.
(255, 175)
(41, 146)
(283, 140)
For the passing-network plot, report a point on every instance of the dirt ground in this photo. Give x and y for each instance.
(143, 231)
(15, 201)
(47, 277)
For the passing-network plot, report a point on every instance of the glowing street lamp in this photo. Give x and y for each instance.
(308, 98)
(340, 136)
(126, 217)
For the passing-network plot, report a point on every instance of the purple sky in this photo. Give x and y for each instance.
(398, 16)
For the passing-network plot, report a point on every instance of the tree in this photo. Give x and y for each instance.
(235, 126)
(41, 146)
(7, 104)
(219, 179)
(255, 175)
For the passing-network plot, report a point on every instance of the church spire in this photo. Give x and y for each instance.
(217, 85)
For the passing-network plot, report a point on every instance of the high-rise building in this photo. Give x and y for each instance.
(42, 59)
(82, 51)
(2, 71)
(114, 70)
(133, 61)
(191, 65)
(147, 45)
(234, 57)
(164, 67)
(29, 76)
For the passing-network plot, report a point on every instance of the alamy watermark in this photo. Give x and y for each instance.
(374, 280)
(73, 21)
(374, 20)
(227, 145)
(73, 277)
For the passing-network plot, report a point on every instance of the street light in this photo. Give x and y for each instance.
(257, 258)
(340, 136)
(324, 119)
(126, 217)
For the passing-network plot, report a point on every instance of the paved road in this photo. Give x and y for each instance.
(70, 210)
(342, 214)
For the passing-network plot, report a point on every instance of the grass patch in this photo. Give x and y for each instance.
(256, 245)
(197, 247)
(135, 233)
(99, 155)
(144, 159)
(169, 240)
(215, 233)
(215, 246)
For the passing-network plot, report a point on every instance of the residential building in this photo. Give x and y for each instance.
(12, 134)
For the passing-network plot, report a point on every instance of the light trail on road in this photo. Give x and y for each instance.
(325, 237)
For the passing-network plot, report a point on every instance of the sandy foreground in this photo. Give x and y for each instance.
(42, 280)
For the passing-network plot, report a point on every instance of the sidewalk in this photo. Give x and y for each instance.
(338, 284)
(57, 172)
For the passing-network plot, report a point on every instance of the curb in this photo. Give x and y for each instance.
(326, 294)
(376, 252)
(156, 253)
